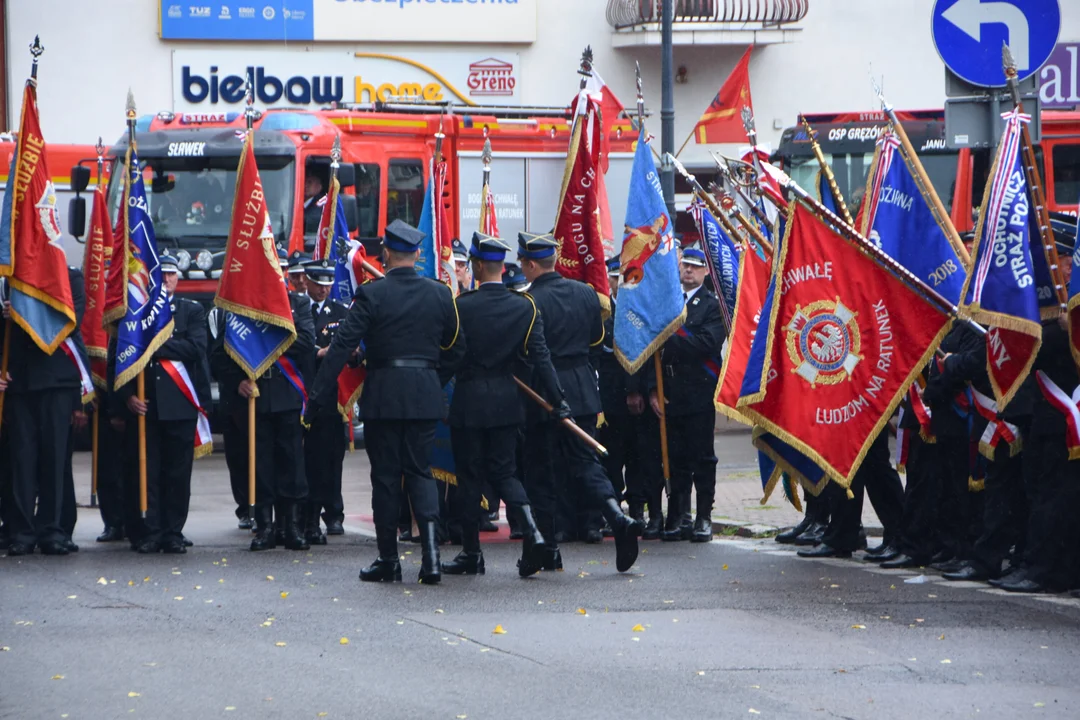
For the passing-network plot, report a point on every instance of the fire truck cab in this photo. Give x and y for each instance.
(190, 163)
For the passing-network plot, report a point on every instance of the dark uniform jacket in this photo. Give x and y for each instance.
(30, 369)
(1056, 361)
(505, 330)
(409, 327)
(276, 393)
(947, 379)
(327, 320)
(690, 359)
(187, 345)
(573, 329)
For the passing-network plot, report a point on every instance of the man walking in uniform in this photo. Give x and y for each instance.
(571, 314)
(177, 389)
(324, 440)
(503, 327)
(412, 340)
(687, 359)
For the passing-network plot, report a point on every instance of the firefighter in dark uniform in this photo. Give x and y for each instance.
(689, 387)
(503, 328)
(412, 342)
(296, 274)
(572, 316)
(324, 440)
(110, 467)
(171, 419)
(233, 435)
(279, 455)
(42, 393)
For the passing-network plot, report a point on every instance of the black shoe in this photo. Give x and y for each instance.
(148, 547)
(903, 561)
(516, 535)
(334, 527)
(887, 554)
(70, 545)
(879, 549)
(533, 550)
(382, 571)
(552, 558)
(627, 531)
(264, 530)
(702, 530)
(406, 536)
(824, 551)
(487, 526)
(942, 556)
(313, 536)
(1014, 576)
(294, 539)
(430, 572)
(466, 563)
(950, 566)
(788, 536)
(812, 536)
(16, 549)
(655, 526)
(967, 572)
(173, 547)
(593, 536)
(111, 534)
(185, 542)
(243, 522)
(1027, 585)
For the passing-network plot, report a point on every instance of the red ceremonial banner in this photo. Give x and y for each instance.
(753, 282)
(846, 340)
(577, 225)
(96, 257)
(722, 120)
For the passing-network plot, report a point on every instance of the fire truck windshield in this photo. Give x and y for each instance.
(191, 198)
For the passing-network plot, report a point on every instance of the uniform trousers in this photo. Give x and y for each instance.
(550, 447)
(279, 460)
(485, 457)
(1005, 513)
(919, 524)
(38, 424)
(170, 453)
(958, 508)
(692, 458)
(1052, 555)
(400, 454)
(324, 453)
(645, 479)
(233, 433)
(618, 435)
(877, 478)
(69, 513)
(110, 471)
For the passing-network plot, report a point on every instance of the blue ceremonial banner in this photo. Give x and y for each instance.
(343, 280)
(772, 451)
(900, 221)
(147, 321)
(650, 306)
(1001, 290)
(825, 193)
(722, 254)
(429, 261)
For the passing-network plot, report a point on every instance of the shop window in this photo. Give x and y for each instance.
(367, 199)
(1066, 174)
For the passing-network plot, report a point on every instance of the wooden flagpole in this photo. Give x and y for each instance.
(251, 459)
(140, 393)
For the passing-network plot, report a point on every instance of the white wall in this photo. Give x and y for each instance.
(96, 50)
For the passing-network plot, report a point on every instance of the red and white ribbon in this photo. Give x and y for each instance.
(86, 382)
(204, 444)
(922, 413)
(996, 429)
(1067, 406)
(903, 442)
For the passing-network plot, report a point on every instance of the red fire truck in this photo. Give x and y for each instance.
(190, 163)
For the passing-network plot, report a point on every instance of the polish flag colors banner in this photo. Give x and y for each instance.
(96, 258)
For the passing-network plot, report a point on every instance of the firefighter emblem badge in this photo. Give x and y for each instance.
(823, 342)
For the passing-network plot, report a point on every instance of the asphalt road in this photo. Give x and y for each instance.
(731, 629)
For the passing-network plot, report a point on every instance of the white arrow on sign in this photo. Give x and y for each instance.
(971, 15)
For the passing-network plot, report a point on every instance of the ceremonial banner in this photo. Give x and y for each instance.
(722, 254)
(30, 252)
(258, 324)
(1000, 292)
(824, 191)
(788, 460)
(145, 315)
(1074, 302)
(114, 276)
(773, 475)
(722, 122)
(96, 258)
(610, 108)
(436, 250)
(650, 306)
(577, 224)
(753, 281)
(845, 340)
(901, 221)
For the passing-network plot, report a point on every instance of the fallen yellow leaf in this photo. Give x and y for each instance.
(57, 677)
(498, 630)
(134, 694)
(754, 712)
(102, 581)
(1039, 704)
(461, 717)
(131, 583)
(724, 566)
(284, 594)
(946, 661)
(581, 611)
(322, 714)
(230, 707)
(5, 649)
(343, 641)
(700, 672)
(72, 597)
(178, 597)
(858, 627)
(637, 628)
(146, 579)
(279, 644)
(269, 577)
(942, 636)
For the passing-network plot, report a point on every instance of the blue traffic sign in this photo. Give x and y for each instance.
(969, 34)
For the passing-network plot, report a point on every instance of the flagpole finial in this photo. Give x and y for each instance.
(36, 49)
(1007, 62)
(485, 155)
(335, 152)
(130, 107)
(249, 99)
(811, 133)
(748, 119)
(585, 71)
(100, 147)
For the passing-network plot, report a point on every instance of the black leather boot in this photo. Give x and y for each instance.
(655, 526)
(702, 528)
(470, 561)
(627, 531)
(264, 528)
(534, 553)
(430, 573)
(387, 567)
(313, 533)
(673, 527)
(788, 536)
(294, 538)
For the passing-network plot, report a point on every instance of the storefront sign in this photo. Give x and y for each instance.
(212, 81)
(1059, 78)
(236, 20)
